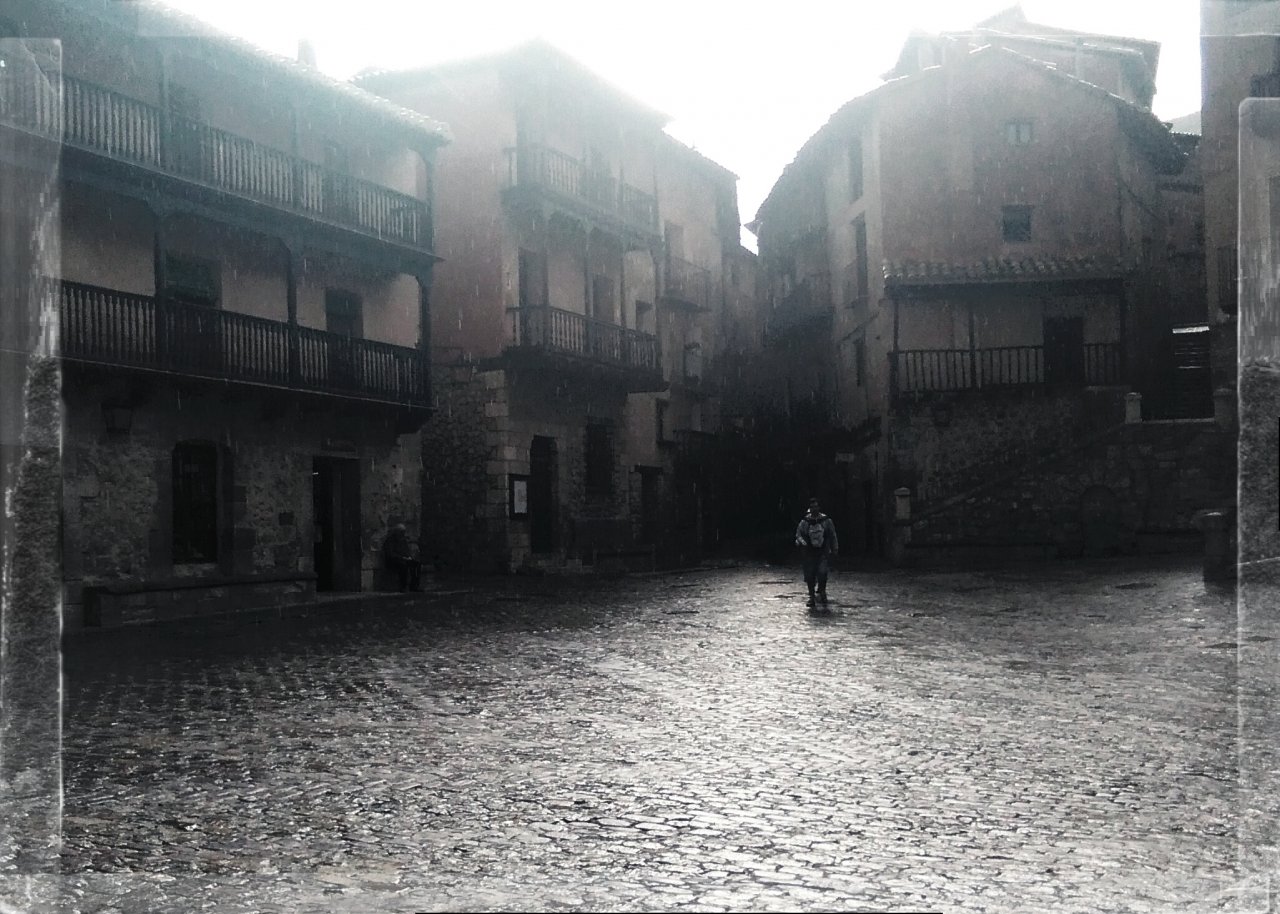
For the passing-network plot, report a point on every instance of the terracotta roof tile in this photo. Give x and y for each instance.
(1002, 269)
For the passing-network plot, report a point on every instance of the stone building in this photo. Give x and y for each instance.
(1240, 50)
(246, 257)
(970, 266)
(584, 259)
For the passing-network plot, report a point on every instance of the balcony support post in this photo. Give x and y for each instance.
(973, 349)
(291, 303)
(893, 356)
(166, 111)
(295, 144)
(1124, 338)
(160, 268)
(424, 337)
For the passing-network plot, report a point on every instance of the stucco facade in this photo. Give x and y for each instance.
(581, 298)
(984, 219)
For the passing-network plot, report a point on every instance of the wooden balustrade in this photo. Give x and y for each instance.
(576, 334)
(118, 328)
(533, 165)
(96, 118)
(929, 370)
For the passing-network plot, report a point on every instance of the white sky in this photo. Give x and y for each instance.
(745, 84)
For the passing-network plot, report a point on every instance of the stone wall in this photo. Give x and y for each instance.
(117, 501)
(481, 435)
(1259, 514)
(946, 444)
(1134, 487)
(459, 529)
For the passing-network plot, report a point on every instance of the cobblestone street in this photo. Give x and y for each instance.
(1046, 738)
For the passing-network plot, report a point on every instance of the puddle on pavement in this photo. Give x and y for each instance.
(1224, 645)
(1136, 585)
(1018, 664)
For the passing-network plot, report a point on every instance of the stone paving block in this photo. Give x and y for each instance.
(1006, 741)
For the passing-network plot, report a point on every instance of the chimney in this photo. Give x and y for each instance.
(307, 53)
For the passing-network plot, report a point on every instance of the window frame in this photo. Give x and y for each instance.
(1023, 212)
(1014, 135)
(197, 509)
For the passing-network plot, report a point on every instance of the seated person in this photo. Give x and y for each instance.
(401, 554)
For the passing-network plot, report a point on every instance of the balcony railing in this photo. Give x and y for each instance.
(574, 334)
(687, 282)
(120, 328)
(99, 119)
(533, 165)
(940, 370)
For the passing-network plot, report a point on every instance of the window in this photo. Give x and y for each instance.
(862, 288)
(855, 169)
(860, 362)
(195, 502)
(1019, 133)
(660, 419)
(674, 235)
(599, 460)
(1017, 223)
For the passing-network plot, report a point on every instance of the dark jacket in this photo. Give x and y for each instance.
(818, 526)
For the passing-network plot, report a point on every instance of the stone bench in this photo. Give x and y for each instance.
(136, 602)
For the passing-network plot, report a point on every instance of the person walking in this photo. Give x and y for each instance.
(816, 536)
(402, 556)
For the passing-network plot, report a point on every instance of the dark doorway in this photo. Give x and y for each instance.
(189, 140)
(335, 492)
(542, 494)
(194, 286)
(337, 185)
(343, 321)
(650, 482)
(533, 279)
(1064, 351)
(869, 516)
(1191, 387)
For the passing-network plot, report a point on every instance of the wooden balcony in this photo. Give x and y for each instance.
(90, 117)
(921, 371)
(108, 327)
(566, 338)
(686, 283)
(807, 303)
(596, 192)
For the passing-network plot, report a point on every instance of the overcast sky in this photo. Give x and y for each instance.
(745, 84)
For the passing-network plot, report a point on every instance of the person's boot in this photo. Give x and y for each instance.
(812, 600)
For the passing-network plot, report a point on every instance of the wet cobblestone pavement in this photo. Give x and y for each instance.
(1055, 738)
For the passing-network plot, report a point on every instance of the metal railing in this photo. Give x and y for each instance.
(119, 328)
(939, 370)
(576, 334)
(534, 165)
(93, 117)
